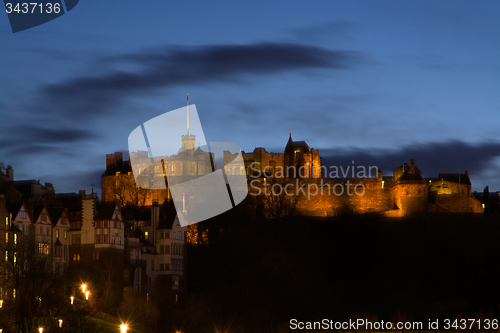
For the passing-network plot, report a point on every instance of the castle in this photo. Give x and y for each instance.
(298, 169)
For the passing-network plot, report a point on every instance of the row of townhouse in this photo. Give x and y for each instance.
(29, 230)
(147, 243)
(77, 235)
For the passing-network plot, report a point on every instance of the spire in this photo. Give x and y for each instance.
(188, 113)
(289, 143)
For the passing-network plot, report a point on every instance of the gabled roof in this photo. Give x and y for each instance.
(408, 172)
(291, 145)
(56, 213)
(455, 178)
(200, 151)
(15, 207)
(37, 211)
(107, 210)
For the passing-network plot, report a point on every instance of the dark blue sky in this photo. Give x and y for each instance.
(377, 82)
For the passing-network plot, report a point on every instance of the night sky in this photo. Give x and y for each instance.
(377, 82)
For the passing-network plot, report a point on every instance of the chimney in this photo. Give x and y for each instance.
(412, 162)
(10, 172)
(110, 161)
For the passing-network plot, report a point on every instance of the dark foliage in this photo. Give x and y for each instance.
(256, 274)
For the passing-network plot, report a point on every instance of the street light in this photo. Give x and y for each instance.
(72, 299)
(87, 295)
(60, 322)
(1, 305)
(123, 328)
(40, 329)
(84, 286)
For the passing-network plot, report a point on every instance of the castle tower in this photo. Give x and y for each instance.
(186, 152)
(300, 160)
(188, 141)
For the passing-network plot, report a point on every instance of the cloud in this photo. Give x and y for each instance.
(174, 66)
(36, 140)
(431, 158)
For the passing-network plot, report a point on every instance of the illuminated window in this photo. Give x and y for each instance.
(15, 238)
(383, 184)
(57, 233)
(7, 221)
(146, 234)
(65, 234)
(15, 258)
(6, 256)
(43, 248)
(6, 237)
(76, 257)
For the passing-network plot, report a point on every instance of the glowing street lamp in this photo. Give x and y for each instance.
(60, 322)
(87, 295)
(84, 286)
(40, 330)
(72, 299)
(1, 305)
(123, 328)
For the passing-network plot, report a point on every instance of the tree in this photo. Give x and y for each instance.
(275, 202)
(33, 294)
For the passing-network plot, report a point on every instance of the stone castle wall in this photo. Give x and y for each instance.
(457, 203)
